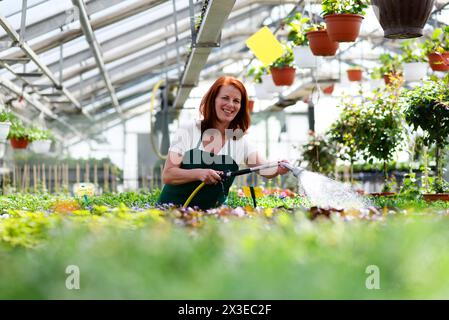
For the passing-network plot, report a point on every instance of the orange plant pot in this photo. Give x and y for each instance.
(436, 197)
(283, 76)
(328, 90)
(321, 44)
(250, 105)
(354, 74)
(343, 27)
(21, 143)
(439, 61)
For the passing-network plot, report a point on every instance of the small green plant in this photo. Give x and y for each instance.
(36, 134)
(315, 27)
(438, 42)
(390, 64)
(298, 26)
(5, 116)
(410, 188)
(319, 153)
(256, 73)
(17, 130)
(344, 7)
(286, 60)
(411, 52)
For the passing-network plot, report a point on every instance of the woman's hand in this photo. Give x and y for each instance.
(281, 169)
(209, 176)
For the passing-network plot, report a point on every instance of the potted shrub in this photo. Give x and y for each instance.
(413, 61)
(427, 107)
(18, 134)
(319, 41)
(401, 19)
(390, 68)
(354, 73)
(437, 49)
(282, 69)
(380, 132)
(343, 18)
(304, 57)
(5, 123)
(319, 154)
(40, 140)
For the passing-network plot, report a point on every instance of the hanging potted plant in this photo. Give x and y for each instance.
(41, 140)
(354, 73)
(437, 49)
(390, 68)
(329, 89)
(413, 61)
(304, 57)
(263, 83)
(319, 41)
(5, 123)
(282, 69)
(343, 18)
(18, 134)
(427, 107)
(401, 19)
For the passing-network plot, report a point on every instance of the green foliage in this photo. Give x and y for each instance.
(5, 116)
(320, 154)
(36, 134)
(256, 73)
(410, 188)
(286, 60)
(411, 52)
(390, 64)
(438, 42)
(17, 130)
(298, 26)
(344, 6)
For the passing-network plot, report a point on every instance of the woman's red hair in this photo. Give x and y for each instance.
(207, 107)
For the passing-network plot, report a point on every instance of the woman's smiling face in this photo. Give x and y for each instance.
(227, 103)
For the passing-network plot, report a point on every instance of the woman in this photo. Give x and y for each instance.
(203, 150)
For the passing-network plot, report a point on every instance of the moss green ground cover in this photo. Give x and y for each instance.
(125, 247)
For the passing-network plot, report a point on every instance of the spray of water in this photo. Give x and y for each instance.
(325, 192)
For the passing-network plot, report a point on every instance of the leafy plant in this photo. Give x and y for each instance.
(390, 64)
(5, 116)
(17, 130)
(344, 7)
(412, 52)
(286, 60)
(316, 27)
(256, 73)
(427, 107)
(438, 42)
(36, 134)
(298, 26)
(319, 153)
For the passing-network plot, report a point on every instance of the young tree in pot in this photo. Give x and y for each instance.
(319, 154)
(381, 133)
(343, 18)
(437, 49)
(282, 69)
(427, 107)
(346, 133)
(320, 43)
(304, 57)
(413, 61)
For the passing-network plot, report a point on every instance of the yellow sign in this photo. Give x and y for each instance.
(84, 188)
(265, 46)
(257, 192)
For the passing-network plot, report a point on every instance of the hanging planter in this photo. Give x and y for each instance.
(19, 143)
(329, 89)
(415, 71)
(41, 146)
(321, 44)
(343, 27)
(251, 105)
(402, 19)
(439, 61)
(354, 74)
(304, 57)
(283, 76)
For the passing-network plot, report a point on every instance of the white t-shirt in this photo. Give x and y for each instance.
(189, 134)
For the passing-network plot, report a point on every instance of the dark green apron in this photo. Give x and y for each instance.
(211, 195)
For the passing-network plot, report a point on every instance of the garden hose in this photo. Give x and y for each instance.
(153, 143)
(202, 184)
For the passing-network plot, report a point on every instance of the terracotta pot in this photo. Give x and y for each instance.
(387, 78)
(283, 76)
(251, 105)
(436, 196)
(382, 194)
(21, 143)
(343, 27)
(439, 61)
(402, 19)
(354, 74)
(320, 44)
(329, 89)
